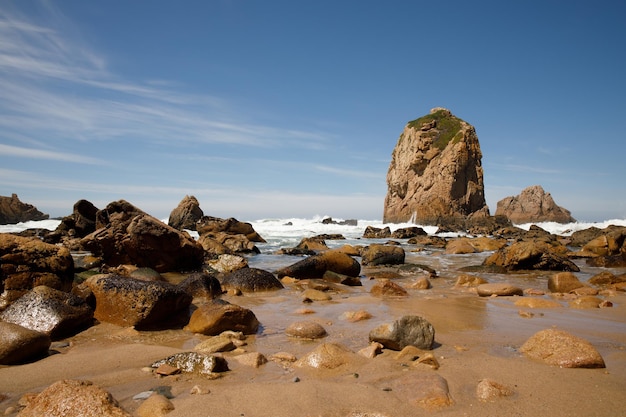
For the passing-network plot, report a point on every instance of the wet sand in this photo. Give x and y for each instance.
(476, 338)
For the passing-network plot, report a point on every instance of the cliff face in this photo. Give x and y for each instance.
(533, 205)
(435, 173)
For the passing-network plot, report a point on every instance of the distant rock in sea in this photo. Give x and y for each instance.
(533, 205)
(12, 210)
(435, 175)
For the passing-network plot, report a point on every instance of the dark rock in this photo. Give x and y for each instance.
(315, 266)
(126, 235)
(19, 344)
(342, 279)
(201, 284)
(53, 312)
(219, 316)
(372, 232)
(250, 280)
(408, 232)
(12, 211)
(530, 255)
(315, 244)
(382, 255)
(81, 222)
(408, 331)
(186, 215)
(231, 226)
(130, 302)
(220, 243)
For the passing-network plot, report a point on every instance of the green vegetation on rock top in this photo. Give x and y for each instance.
(448, 127)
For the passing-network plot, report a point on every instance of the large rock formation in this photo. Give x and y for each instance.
(533, 205)
(12, 210)
(186, 214)
(435, 175)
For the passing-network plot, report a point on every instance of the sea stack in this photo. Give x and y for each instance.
(533, 205)
(435, 176)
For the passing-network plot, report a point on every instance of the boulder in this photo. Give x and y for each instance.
(200, 284)
(126, 235)
(531, 206)
(130, 302)
(53, 312)
(315, 266)
(312, 243)
(231, 226)
(306, 330)
(186, 215)
(27, 262)
(219, 316)
(19, 344)
(436, 173)
(382, 255)
(71, 398)
(194, 363)
(328, 356)
(372, 232)
(498, 289)
(489, 390)
(407, 331)
(227, 262)
(560, 348)
(530, 255)
(386, 288)
(428, 391)
(250, 280)
(408, 232)
(81, 222)
(12, 211)
(564, 282)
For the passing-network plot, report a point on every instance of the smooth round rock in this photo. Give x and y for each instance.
(306, 330)
(497, 289)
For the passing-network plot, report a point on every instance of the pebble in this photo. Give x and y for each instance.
(497, 289)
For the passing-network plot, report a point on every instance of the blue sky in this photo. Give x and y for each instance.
(292, 109)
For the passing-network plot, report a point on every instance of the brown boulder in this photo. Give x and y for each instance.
(28, 262)
(186, 215)
(201, 284)
(407, 331)
(435, 174)
(533, 205)
(12, 210)
(328, 356)
(219, 316)
(531, 255)
(71, 398)
(559, 348)
(19, 344)
(315, 266)
(564, 282)
(372, 232)
(231, 226)
(382, 255)
(81, 222)
(126, 235)
(250, 280)
(130, 302)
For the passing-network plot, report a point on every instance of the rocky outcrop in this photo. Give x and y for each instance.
(81, 222)
(533, 205)
(435, 174)
(12, 210)
(28, 262)
(186, 214)
(127, 235)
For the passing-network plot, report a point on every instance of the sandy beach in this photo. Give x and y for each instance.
(476, 338)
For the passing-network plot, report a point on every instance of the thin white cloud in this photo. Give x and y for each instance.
(348, 172)
(32, 153)
(53, 83)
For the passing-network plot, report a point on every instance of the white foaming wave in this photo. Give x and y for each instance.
(32, 224)
(566, 229)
